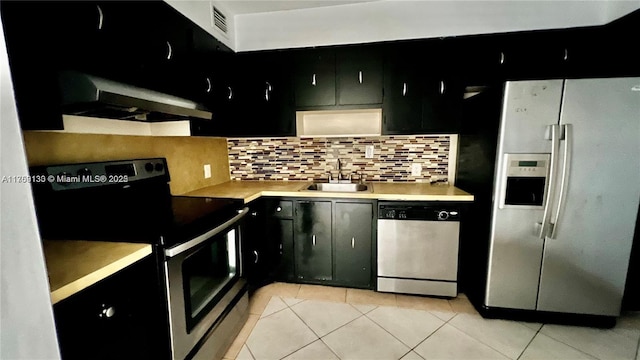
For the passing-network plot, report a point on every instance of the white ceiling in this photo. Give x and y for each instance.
(238, 7)
(281, 24)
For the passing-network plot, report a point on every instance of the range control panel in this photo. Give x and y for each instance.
(89, 175)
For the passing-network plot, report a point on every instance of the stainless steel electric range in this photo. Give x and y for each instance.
(197, 241)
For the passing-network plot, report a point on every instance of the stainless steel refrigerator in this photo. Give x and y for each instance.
(565, 195)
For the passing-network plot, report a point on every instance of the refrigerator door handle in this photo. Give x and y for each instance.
(567, 131)
(552, 130)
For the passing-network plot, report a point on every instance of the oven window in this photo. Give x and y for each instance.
(208, 273)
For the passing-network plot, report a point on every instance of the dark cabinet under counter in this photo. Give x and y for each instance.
(121, 317)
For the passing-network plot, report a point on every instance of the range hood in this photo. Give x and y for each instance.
(88, 95)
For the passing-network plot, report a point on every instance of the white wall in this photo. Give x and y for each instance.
(403, 19)
(26, 318)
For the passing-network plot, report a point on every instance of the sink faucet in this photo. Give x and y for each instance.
(339, 168)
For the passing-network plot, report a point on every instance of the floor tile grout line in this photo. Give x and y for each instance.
(500, 352)
(529, 343)
(330, 349)
(425, 339)
(250, 352)
(320, 337)
(569, 345)
(407, 345)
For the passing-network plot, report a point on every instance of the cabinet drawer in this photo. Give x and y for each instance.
(282, 209)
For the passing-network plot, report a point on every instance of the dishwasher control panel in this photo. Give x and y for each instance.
(418, 212)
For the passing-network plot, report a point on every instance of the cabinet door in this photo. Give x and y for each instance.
(359, 76)
(280, 234)
(537, 55)
(284, 259)
(441, 105)
(256, 247)
(120, 317)
(268, 109)
(27, 43)
(353, 223)
(312, 238)
(402, 103)
(315, 78)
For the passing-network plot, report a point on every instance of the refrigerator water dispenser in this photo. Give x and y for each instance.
(524, 181)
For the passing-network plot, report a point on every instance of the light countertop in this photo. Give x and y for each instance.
(75, 265)
(253, 189)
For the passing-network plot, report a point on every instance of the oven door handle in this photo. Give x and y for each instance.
(179, 249)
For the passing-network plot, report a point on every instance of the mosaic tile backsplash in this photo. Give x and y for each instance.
(315, 158)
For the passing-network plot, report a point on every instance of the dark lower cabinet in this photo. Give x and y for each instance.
(352, 236)
(120, 317)
(333, 242)
(280, 233)
(312, 241)
(257, 250)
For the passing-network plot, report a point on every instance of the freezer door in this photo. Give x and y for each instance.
(585, 261)
(516, 249)
(529, 107)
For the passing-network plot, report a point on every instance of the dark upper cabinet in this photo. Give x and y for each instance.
(353, 244)
(268, 107)
(359, 75)
(248, 95)
(313, 241)
(535, 55)
(33, 59)
(337, 77)
(314, 78)
(402, 103)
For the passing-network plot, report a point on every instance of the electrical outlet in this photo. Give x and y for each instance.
(207, 171)
(368, 152)
(416, 169)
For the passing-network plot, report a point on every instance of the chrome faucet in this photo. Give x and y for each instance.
(339, 168)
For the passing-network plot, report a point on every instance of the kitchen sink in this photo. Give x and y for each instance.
(332, 187)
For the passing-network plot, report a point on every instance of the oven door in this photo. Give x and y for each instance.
(203, 278)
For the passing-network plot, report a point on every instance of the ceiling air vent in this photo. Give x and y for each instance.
(219, 20)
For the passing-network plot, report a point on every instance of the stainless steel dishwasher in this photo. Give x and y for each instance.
(418, 248)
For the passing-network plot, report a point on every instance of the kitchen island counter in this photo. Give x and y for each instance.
(251, 190)
(74, 265)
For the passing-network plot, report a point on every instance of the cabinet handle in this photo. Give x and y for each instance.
(208, 85)
(266, 91)
(501, 57)
(360, 76)
(254, 214)
(566, 55)
(230, 93)
(278, 209)
(100, 17)
(255, 253)
(353, 242)
(441, 87)
(313, 80)
(313, 240)
(107, 312)
(169, 51)
(404, 89)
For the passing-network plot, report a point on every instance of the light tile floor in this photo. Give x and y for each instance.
(309, 322)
